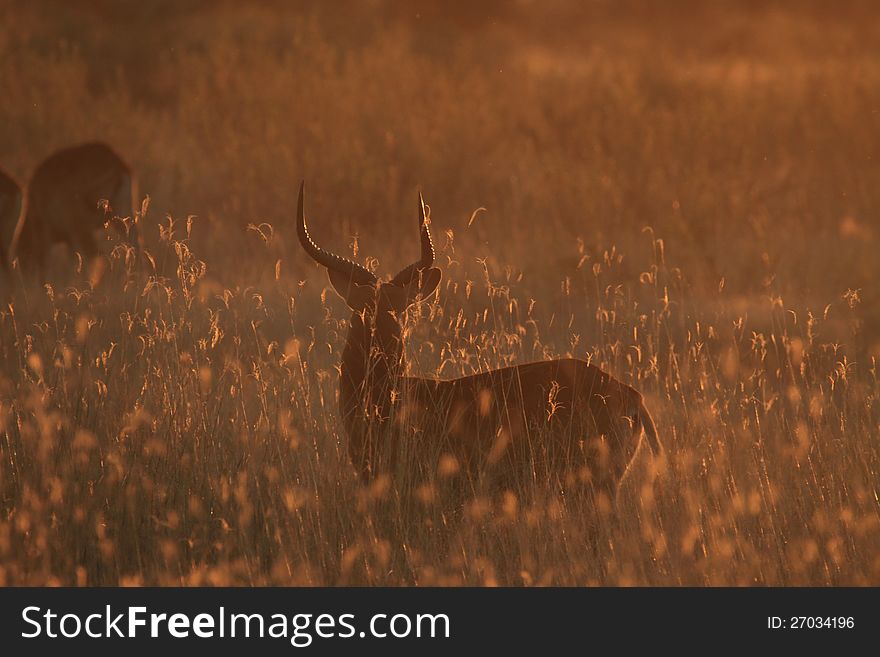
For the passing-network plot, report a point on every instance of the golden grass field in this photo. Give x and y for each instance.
(690, 197)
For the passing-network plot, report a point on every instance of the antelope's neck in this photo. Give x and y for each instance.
(372, 361)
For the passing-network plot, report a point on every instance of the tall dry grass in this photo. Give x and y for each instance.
(693, 209)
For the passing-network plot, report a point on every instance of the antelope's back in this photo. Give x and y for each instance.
(80, 176)
(566, 396)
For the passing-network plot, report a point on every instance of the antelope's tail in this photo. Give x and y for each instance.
(650, 430)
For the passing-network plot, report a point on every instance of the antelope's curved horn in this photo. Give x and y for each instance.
(354, 271)
(427, 257)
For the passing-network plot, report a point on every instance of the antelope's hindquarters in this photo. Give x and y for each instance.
(650, 429)
(124, 202)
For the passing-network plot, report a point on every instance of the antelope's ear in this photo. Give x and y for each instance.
(357, 296)
(423, 284)
(427, 283)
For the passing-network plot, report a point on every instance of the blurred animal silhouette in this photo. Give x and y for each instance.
(71, 196)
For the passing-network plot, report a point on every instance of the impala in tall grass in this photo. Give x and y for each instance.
(504, 421)
(11, 199)
(72, 196)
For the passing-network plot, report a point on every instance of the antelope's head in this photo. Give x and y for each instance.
(376, 305)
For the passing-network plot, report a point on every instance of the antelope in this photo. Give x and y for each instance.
(11, 200)
(72, 194)
(485, 421)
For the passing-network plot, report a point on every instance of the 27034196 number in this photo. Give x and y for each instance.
(822, 622)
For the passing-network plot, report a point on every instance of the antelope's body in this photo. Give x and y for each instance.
(71, 196)
(11, 200)
(501, 420)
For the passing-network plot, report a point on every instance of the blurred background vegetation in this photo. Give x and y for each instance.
(730, 128)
